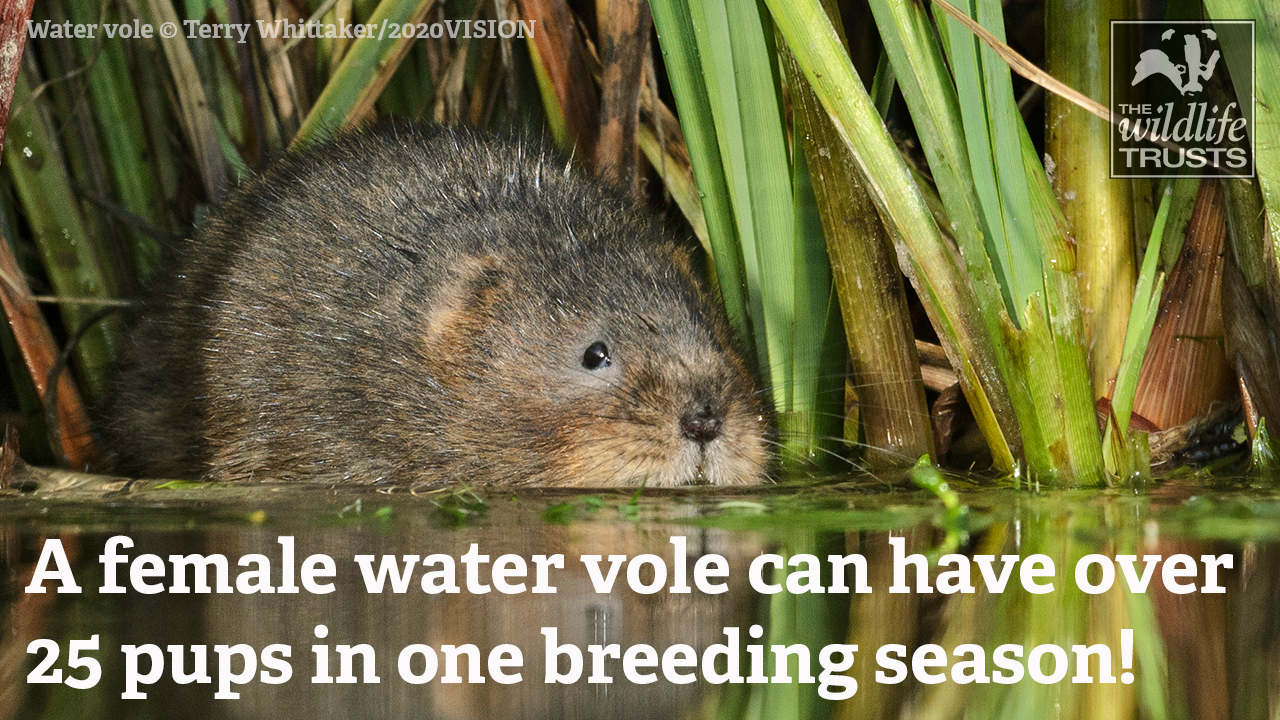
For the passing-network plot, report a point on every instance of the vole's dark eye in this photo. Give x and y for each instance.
(596, 356)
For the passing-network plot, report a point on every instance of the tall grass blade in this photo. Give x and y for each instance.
(818, 342)
(1185, 191)
(737, 54)
(279, 76)
(117, 109)
(674, 25)
(990, 119)
(198, 122)
(1025, 242)
(364, 71)
(1072, 386)
(1029, 244)
(73, 260)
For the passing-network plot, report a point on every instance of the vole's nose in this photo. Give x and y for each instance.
(702, 424)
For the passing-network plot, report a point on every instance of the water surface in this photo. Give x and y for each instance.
(1193, 654)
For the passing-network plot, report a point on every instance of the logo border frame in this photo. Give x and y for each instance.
(1253, 96)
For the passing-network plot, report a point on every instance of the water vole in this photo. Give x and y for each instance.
(419, 304)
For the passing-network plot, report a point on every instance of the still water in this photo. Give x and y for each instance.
(402, 602)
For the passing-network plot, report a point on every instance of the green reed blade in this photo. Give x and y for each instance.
(197, 121)
(674, 25)
(117, 108)
(818, 343)
(74, 262)
(1142, 318)
(365, 69)
(736, 49)
(550, 101)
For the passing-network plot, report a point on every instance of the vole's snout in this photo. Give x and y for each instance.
(702, 423)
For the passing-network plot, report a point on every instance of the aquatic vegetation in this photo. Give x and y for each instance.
(834, 186)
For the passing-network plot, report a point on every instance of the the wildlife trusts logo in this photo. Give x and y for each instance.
(1182, 98)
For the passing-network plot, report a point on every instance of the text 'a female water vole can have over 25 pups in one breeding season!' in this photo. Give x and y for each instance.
(434, 303)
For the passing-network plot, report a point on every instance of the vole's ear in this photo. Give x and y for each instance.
(464, 301)
(482, 278)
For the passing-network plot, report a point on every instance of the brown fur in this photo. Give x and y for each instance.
(415, 305)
